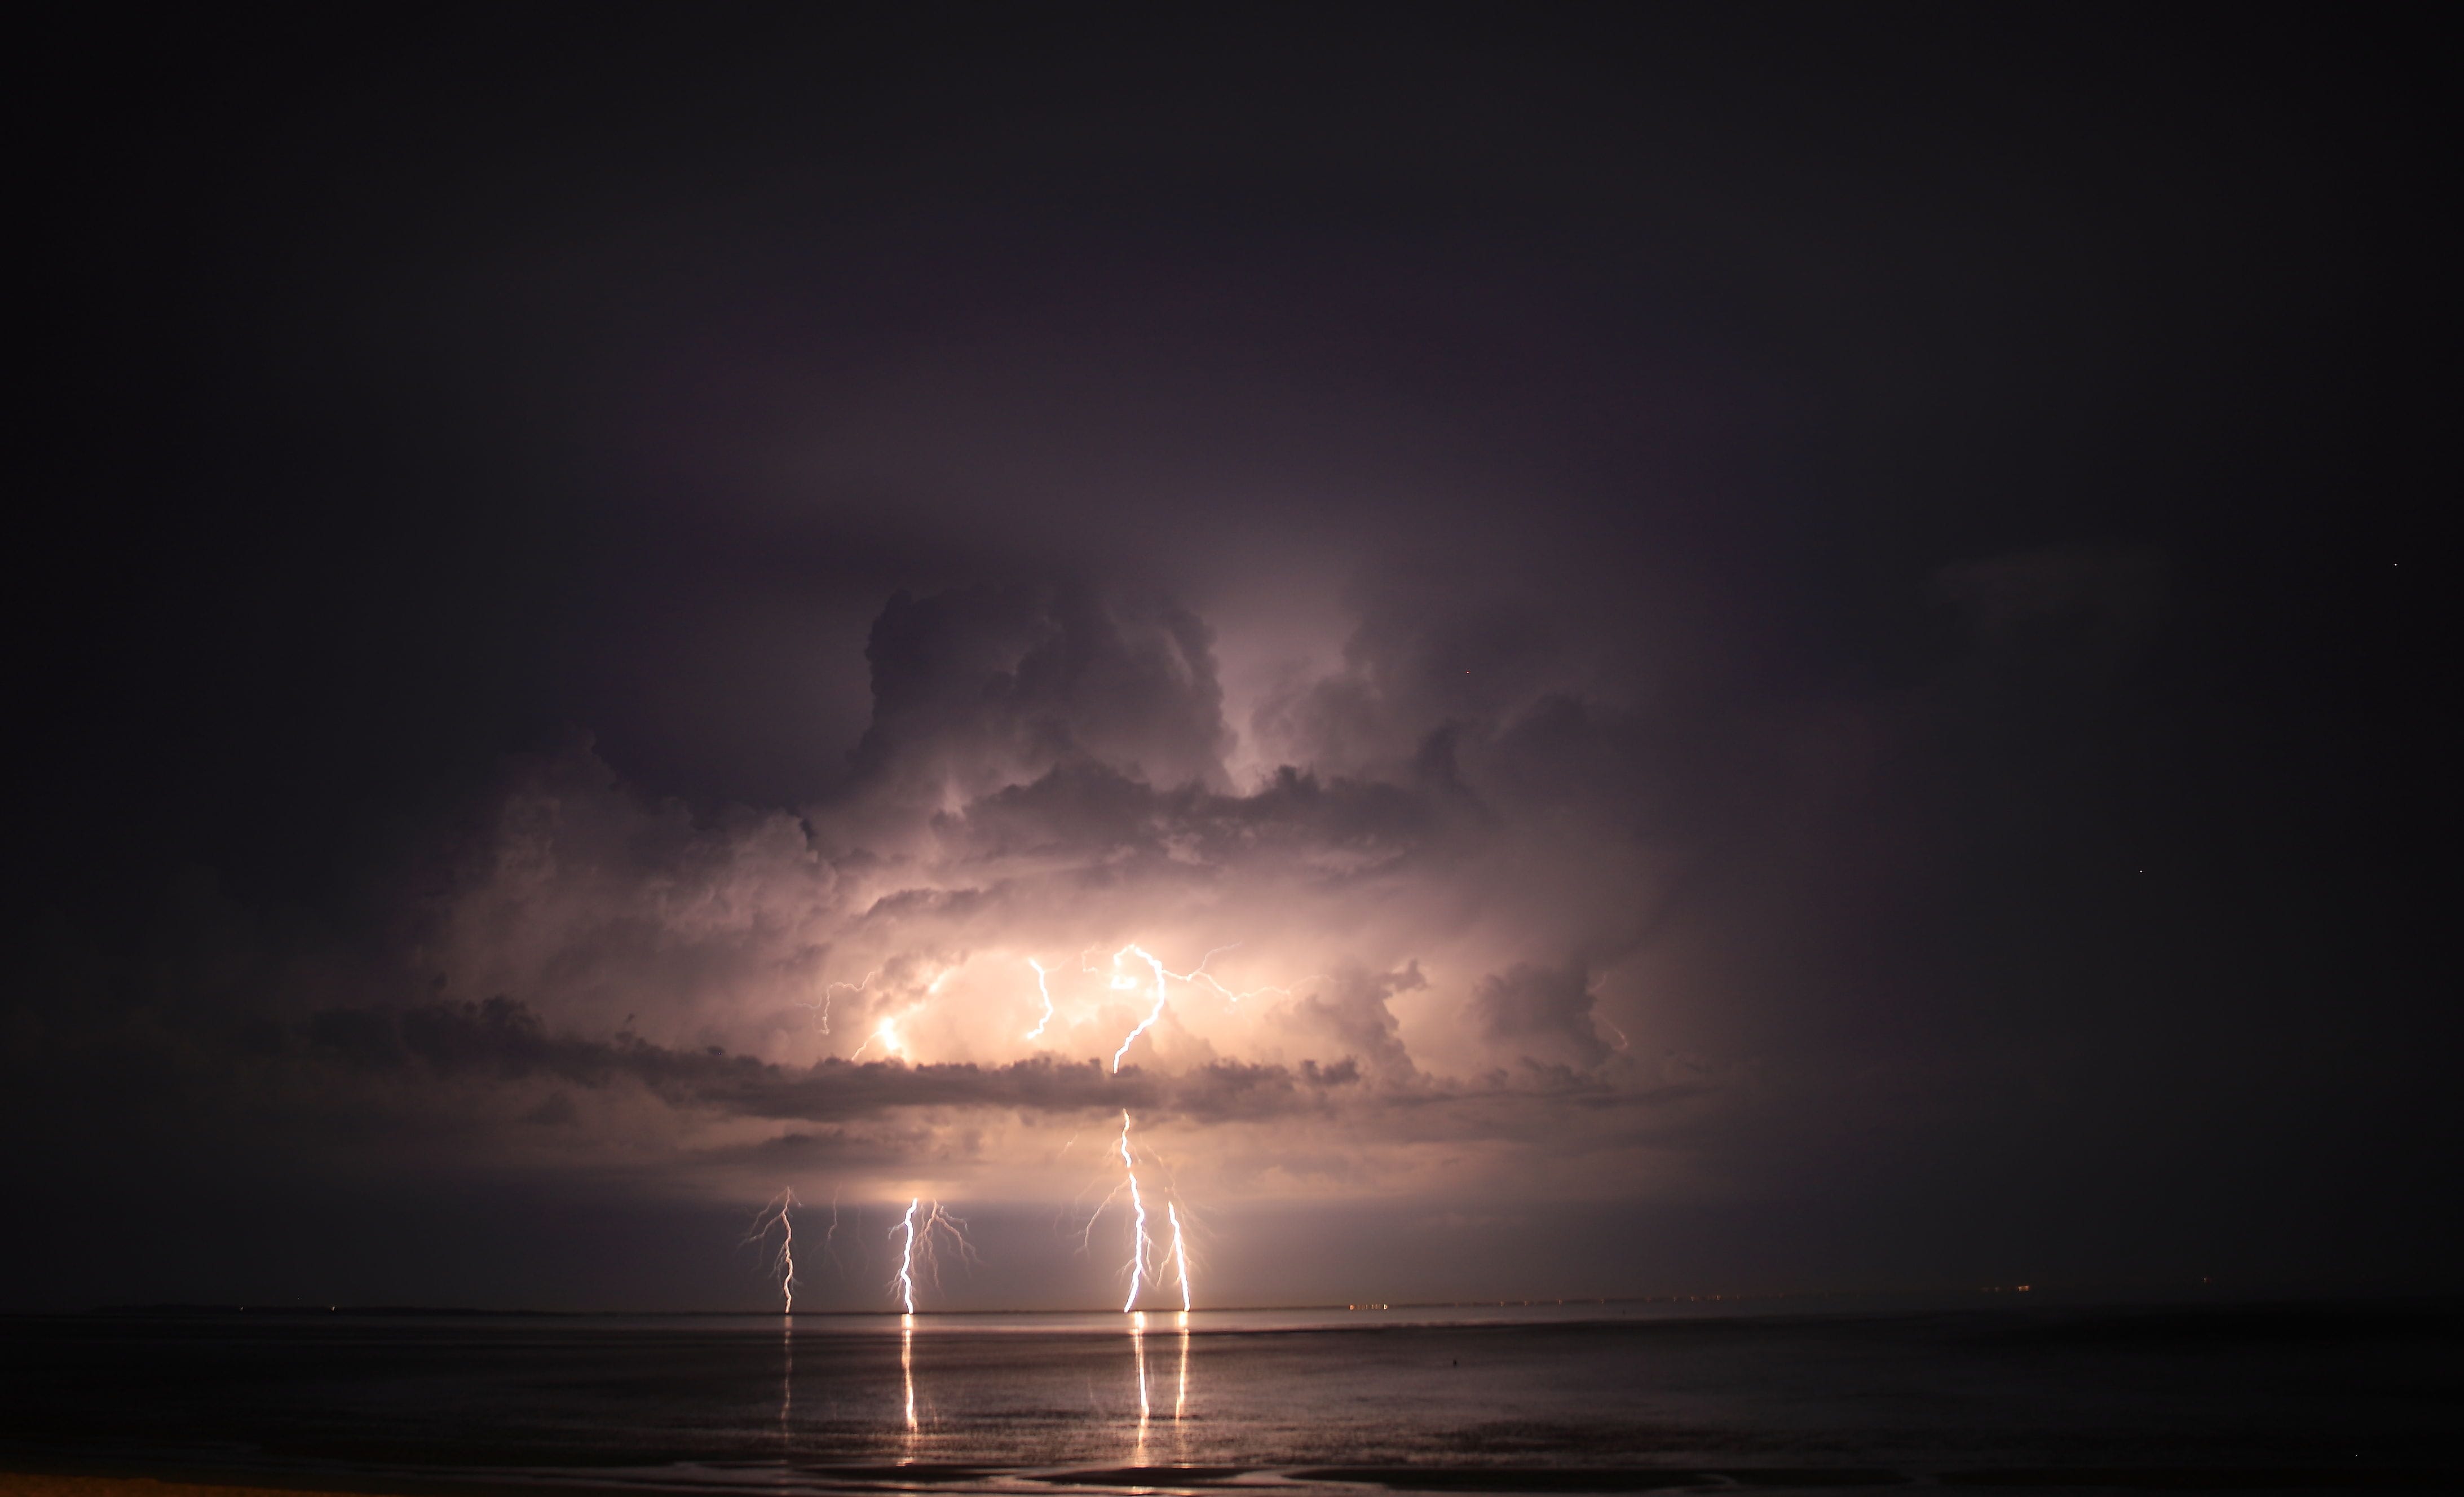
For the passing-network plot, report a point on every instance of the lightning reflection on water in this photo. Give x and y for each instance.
(1138, 1354)
(906, 1374)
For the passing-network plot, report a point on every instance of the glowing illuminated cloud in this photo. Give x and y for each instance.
(1379, 959)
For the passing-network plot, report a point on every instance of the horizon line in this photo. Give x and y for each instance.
(2012, 1291)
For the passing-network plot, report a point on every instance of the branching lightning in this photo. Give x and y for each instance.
(886, 1035)
(1141, 1246)
(1199, 977)
(916, 1247)
(1196, 976)
(907, 1263)
(1179, 1254)
(1153, 1014)
(1146, 1261)
(830, 991)
(885, 1031)
(775, 1214)
(925, 1228)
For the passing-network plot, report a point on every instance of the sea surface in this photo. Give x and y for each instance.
(2273, 1397)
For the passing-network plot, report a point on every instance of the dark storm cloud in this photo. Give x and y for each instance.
(1297, 815)
(1353, 1006)
(501, 1041)
(1546, 1014)
(988, 685)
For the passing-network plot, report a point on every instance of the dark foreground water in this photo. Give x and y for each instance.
(2287, 1398)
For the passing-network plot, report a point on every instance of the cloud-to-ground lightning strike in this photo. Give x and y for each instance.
(1140, 1246)
(906, 1261)
(1041, 986)
(775, 1214)
(918, 1225)
(1180, 1256)
(916, 1239)
(918, 1235)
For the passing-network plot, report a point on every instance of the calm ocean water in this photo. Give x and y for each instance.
(2288, 1397)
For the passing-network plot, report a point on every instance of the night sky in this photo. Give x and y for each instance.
(1776, 649)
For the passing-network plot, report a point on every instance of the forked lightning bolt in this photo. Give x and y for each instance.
(925, 1223)
(885, 1032)
(1141, 1248)
(775, 1214)
(1180, 1253)
(907, 1262)
(1198, 976)
(1144, 1024)
(916, 1250)
(830, 991)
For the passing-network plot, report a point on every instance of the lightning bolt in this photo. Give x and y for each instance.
(775, 1213)
(1196, 976)
(886, 1035)
(1153, 1014)
(1037, 1033)
(1179, 1257)
(830, 991)
(907, 1262)
(1199, 977)
(914, 1235)
(916, 1250)
(787, 1256)
(1141, 1248)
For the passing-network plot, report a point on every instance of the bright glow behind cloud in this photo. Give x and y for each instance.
(1339, 979)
